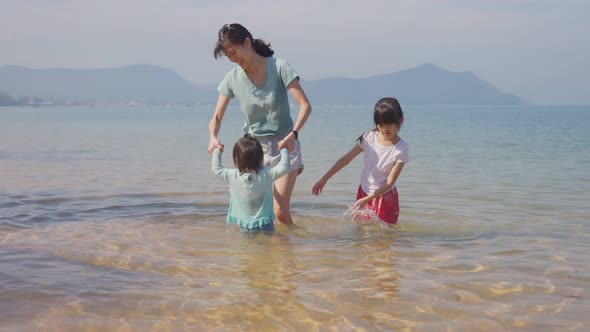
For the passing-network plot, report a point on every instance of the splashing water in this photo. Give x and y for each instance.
(362, 216)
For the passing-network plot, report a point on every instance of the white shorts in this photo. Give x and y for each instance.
(272, 155)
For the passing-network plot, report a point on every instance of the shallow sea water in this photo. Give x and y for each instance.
(111, 220)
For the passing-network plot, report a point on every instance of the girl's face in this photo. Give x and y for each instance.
(238, 54)
(389, 131)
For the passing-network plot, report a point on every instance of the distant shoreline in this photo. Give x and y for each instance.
(461, 106)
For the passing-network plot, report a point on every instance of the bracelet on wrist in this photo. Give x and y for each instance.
(295, 133)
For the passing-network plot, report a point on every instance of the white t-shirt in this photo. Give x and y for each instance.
(379, 160)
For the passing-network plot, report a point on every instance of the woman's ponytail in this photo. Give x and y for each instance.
(262, 48)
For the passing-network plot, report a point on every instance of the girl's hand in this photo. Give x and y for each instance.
(288, 142)
(318, 187)
(214, 143)
(360, 204)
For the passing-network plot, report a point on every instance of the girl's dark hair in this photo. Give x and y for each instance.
(387, 111)
(248, 154)
(236, 34)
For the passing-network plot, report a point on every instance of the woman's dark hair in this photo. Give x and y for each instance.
(387, 111)
(248, 154)
(236, 34)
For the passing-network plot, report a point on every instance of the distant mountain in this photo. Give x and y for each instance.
(6, 100)
(425, 84)
(141, 82)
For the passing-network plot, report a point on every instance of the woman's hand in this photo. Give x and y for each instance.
(318, 187)
(288, 142)
(214, 143)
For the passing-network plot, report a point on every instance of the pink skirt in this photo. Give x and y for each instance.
(385, 206)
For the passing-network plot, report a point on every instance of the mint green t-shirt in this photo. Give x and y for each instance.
(251, 194)
(266, 107)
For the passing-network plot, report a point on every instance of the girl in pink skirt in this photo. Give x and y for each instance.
(385, 156)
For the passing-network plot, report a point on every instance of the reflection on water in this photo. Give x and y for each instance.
(110, 222)
(191, 270)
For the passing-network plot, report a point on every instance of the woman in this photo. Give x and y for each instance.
(260, 83)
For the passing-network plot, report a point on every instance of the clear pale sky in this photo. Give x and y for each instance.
(537, 49)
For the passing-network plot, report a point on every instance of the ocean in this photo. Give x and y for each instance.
(111, 220)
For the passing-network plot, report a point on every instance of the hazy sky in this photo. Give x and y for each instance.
(537, 49)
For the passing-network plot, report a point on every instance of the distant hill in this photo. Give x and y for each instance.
(141, 82)
(6, 100)
(425, 84)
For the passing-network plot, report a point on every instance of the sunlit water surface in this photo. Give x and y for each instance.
(111, 220)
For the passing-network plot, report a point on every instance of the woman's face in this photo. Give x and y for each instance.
(236, 53)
